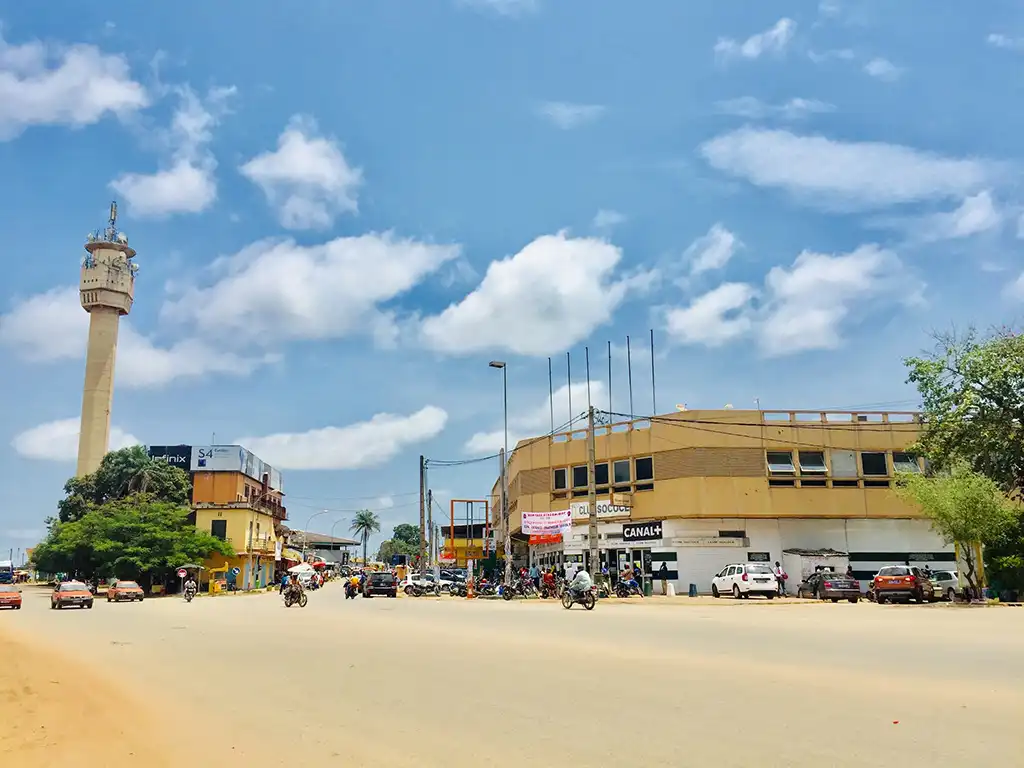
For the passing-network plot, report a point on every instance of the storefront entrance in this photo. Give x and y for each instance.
(617, 559)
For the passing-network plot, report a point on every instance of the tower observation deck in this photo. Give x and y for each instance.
(107, 291)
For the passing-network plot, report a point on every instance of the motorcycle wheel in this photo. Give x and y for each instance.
(507, 593)
(567, 600)
(589, 601)
(288, 601)
(302, 601)
(437, 591)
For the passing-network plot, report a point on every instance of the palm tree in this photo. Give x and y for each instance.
(364, 524)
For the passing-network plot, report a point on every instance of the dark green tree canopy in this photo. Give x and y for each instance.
(121, 474)
(407, 534)
(405, 540)
(972, 391)
(126, 538)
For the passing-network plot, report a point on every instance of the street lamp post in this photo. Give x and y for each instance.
(305, 533)
(333, 526)
(504, 469)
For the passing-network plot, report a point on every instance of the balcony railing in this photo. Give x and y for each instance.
(276, 511)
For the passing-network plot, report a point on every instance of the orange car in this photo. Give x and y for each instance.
(903, 582)
(71, 593)
(124, 590)
(10, 596)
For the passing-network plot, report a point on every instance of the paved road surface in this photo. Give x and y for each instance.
(457, 683)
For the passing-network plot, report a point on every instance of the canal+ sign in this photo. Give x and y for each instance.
(646, 531)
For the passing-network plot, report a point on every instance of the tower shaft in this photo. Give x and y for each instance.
(98, 394)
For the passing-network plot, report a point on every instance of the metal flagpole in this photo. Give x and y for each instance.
(629, 372)
(654, 394)
(587, 351)
(568, 384)
(551, 396)
(609, 381)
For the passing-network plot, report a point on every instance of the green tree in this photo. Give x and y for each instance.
(965, 508)
(121, 474)
(139, 536)
(405, 540)
(364, 525)
(972, 391)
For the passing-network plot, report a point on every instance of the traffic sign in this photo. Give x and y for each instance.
(182, 573)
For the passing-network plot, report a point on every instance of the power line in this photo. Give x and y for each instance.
(860, 426)
(355, 498)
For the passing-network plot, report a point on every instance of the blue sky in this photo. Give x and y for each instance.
(343, 213)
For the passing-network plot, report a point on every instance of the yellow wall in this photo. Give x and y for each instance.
(238, 527)
(712, 464)
(461, 547)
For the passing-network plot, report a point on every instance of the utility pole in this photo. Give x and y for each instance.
(595, 553)
(507, 549)
(430, 528)
(423, 532)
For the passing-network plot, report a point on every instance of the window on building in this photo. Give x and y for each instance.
(780, 462)
(812, 462)
(247, 491)
(601, 475)
(560, 481)
(874, 463)
(905, 462)
(579, 477)
(644, 469)
(844, 463)
(219, 528)
(620, 472)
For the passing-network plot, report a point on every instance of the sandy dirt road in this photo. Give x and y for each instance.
(457, 683)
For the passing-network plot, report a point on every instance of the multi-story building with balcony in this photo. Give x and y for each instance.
(237, 498)
(698, 490)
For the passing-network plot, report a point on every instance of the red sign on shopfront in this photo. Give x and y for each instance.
(554, 538)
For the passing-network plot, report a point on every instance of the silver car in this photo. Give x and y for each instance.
(946, 584)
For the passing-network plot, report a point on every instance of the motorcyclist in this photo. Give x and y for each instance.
(549, 580)
(580, 583)
(629, 578)
(191, 586)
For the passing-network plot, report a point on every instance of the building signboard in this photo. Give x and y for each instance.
(646, 531)
(179, 456)
(605, 510)
(708, 541)
(218, 458)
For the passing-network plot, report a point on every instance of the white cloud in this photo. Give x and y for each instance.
(356, 446)
(840, 54)
(807, 303)
(1004, 41)
(276, 289)
(1015, 290)
(975, 215)
(859, 174)
(801, 308)
(774, 40)
(567, 115)
(883, 69)
(544, 299)
(63, 85)
(307, 178)
(385, 502)
(716, 318)
(755, 109)
(712, 251)
(52, 326)
(503, 7)
(537, 420)
(607, 219)
(58, 440)
(829, 8)
(186, 184)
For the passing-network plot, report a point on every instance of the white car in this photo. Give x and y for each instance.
(946, 584)
(744, 580)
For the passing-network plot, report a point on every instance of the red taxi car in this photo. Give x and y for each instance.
(10, 597)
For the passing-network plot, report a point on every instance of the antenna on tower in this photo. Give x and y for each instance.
(111, 232)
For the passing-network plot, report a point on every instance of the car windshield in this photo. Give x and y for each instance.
(894, 570)
(759, 569)
(73, 586)
(127, 585)
(8, 588)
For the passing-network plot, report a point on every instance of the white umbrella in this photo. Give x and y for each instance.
(301, 568)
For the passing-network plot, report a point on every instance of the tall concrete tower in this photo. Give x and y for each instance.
(107, 289)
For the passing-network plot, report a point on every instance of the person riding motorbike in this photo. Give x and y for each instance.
(629, 578)
(191, 586)
(580, 583)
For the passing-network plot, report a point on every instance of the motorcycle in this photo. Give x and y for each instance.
(295, 596)
(189, 593)
(486, 589)
(351, 590)
(549, 590)
(623, 589)
(587, 599)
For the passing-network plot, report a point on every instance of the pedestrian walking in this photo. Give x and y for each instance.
(780, 578)
(663, 575)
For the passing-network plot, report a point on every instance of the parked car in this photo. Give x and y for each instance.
(124, 591)
(10, 597)
(946, 584)
(425, 581)
(744, 580)
(71, 593)
(902, 582)
(829, 585)
(380, 584)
